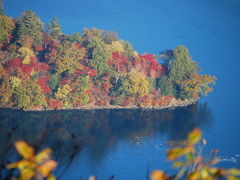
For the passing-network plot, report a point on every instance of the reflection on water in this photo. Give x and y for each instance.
(67, 133)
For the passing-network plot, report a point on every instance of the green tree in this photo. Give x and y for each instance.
(80, 96)
(75, 37)
(110, 36)
(165, 85)
(182, 65)
(99, 55)
(55, 28)
(29, 95)
(6, 90)
(30, 25)
(68, 57)
(63, 94)
(92, 33)
(1, 7)
(129, 49)
(7, 26)
(53, 82)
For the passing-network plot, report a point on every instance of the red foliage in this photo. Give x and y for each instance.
(37, 66)
(55, 104)
(55, 44)
(27, 68)
(118, 62)
(196, 95)
(79, 46)
(148, 65)
(149, 58)
(105, 86)
(79, 72)
(37, 47)
(86, 70)
(33, 59)
(64, 81)
(88, 91)
(128, 101)
(44, 85)
(100, 96)
(92, 72)
(10, 65)
(44, 66)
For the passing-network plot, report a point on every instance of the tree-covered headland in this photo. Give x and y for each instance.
(42, 68)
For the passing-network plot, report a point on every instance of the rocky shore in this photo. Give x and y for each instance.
(174, 104)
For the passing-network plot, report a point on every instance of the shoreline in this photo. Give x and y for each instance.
(174, 104)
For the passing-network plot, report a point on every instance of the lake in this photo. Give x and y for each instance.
(122, 143)
(130, 143)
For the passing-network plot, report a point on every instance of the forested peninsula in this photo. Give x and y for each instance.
(43, 69)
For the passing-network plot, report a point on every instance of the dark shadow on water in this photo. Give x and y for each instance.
(67, 133)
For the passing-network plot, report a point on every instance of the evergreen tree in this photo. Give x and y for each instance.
(1, 7)
(55, 28)
(165, 85)
(30, 25)
(99, 55)
(75, 37)
(7, 26)
(182, 65)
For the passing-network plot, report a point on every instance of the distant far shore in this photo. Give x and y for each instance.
(174, 104)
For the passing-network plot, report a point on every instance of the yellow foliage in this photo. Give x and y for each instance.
(6, 91)
(137, 84)
(26, 53)
(135, 53)
(32, 165)
(198, 83)
(15, 81)
(116, 46)
(63, 92)
(68, 57)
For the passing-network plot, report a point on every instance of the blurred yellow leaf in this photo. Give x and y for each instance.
(193, 176)
(158, 175)
(213, 170)
(38, 166)
(178, 164)
(43, 155)
(25, 150)
(27, 173)
(173, 154)
(204, 173)
(194, 136)
(21, 164)
(46, 167)
(51, 177)
(12, 165)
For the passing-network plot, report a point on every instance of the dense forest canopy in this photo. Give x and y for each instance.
(42, 68)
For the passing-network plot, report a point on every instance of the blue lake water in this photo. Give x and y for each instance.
(123, 143)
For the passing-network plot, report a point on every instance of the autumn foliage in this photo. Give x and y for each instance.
(88, 70)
